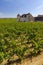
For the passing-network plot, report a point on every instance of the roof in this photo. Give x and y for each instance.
(24, 15)
(40, 15)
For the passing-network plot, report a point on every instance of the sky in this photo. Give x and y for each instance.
(10, 8)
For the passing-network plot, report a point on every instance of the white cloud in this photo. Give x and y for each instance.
(39, 7)
(7, 15)
(38, 10)
(1, 13)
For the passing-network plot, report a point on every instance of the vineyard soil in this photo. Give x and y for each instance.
(35, 61)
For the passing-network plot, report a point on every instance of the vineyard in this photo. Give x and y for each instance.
(20, 39)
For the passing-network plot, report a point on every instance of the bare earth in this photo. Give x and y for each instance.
(35, 61)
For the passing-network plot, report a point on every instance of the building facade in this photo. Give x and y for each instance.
(25, 17)
(29, 18)
(38, 18)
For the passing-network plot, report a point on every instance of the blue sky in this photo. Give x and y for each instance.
(10, 8)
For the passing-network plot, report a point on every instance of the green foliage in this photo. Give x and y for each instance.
(15, 35)
(36, 47)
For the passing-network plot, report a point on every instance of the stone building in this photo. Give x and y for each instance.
(38, 18)
(25, 17)
(29, 18)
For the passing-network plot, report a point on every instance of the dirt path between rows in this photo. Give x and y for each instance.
(35, 61)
